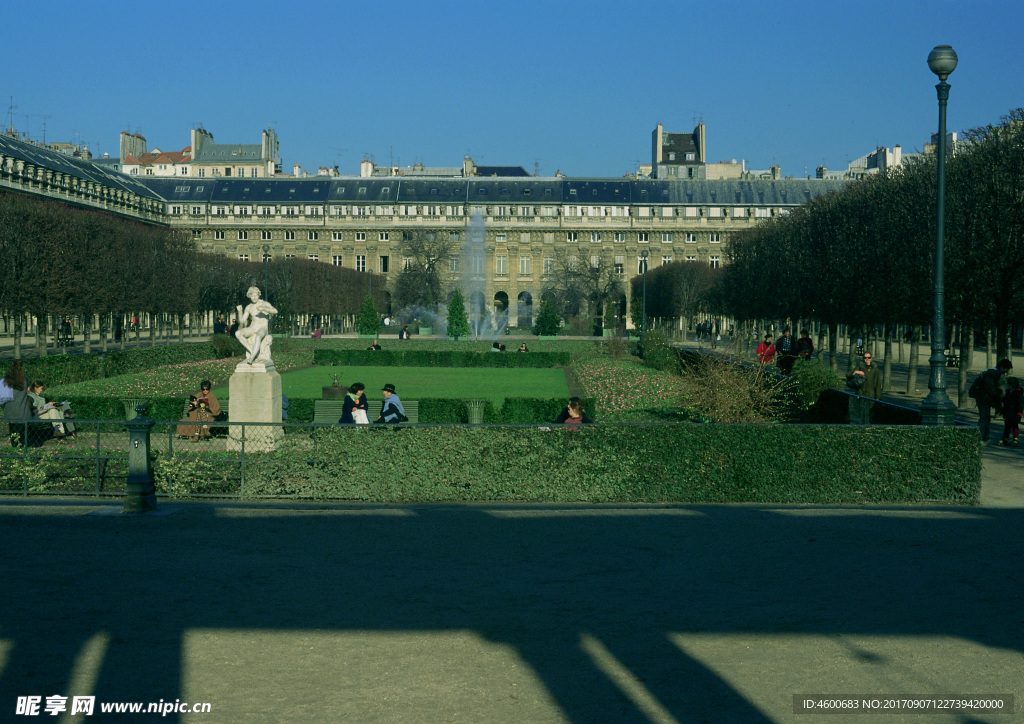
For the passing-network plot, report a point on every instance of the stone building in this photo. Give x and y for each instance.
(509, 234)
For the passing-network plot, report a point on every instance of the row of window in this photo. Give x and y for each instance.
(642, 237)
(714, 212)
(226, 172)
(500, 263)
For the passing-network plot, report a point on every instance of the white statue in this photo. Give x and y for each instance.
(253, 327)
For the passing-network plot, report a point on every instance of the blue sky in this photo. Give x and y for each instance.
(570, 86)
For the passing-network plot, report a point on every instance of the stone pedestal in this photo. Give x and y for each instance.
(254, 393)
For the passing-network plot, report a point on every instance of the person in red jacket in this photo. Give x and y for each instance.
(766, 350)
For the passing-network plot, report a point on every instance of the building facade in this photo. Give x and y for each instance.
(509, 234)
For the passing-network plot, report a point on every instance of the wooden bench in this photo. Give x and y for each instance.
(328, 412)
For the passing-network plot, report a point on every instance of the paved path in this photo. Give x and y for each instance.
(510, 613)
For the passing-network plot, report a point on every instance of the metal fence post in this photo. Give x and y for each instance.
(140, 492)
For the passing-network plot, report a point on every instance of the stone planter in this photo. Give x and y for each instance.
(130, 403)
(608, 333)
(475, 409)
(547, 336)
(426, 331)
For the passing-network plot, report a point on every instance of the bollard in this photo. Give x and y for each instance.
(140, 492)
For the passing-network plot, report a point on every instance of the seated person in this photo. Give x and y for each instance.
(317, 334)
(404, 334)
(375, 347)
(522, 347)
(495, 347)
(50, 411)
(573, 414)
(392, 409)
(353, 410)
(203, 409)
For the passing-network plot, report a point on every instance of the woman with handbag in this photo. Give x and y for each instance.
(353, 410)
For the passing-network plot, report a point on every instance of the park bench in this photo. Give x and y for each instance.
(328, 412)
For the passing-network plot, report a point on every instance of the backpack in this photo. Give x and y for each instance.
(978, 386)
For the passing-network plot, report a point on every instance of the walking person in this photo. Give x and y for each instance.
(766, 351)
(866, 381)
(804, 345)
(987, 394)
(1013, 407)
(786, 347)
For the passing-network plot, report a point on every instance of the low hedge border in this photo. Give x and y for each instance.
(438, 358)
(65, 369)
(684, 463)
(518, 410)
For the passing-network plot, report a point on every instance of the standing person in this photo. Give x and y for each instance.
(353, 410)
(391, 409)
(219, 327)
(766, 351)
(14, 400)
(233, 328)
(804, 345)
(786, 347)
(1013, 407)
(987, 393)
(868, 389)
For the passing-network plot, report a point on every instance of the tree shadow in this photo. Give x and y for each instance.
(589, 597)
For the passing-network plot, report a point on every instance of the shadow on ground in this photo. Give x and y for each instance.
(618, 614)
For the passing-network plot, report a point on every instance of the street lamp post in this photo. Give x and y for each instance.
(937, 408)
(643, 309)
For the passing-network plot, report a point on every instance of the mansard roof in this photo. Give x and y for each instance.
(492, 191)
(74, 167)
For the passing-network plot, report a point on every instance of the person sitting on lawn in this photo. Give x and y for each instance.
(522, 347)
(375, 347)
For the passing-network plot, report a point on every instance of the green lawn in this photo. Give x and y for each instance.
(414, 383)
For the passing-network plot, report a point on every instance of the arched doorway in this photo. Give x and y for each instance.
(525, 310)
(500, 311)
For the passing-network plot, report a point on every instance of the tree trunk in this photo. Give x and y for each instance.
(887, 363)
(915, 350)
(966, 353)
(18, 318)
(988, 349)
(152, 330)
(41, 327)
(86, 334)
(833, 347)
(851, 345)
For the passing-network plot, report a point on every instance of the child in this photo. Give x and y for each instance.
(1013, 406)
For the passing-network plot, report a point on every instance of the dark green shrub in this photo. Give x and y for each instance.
(548, 320)
(458, 323)
(439, 358)
(369, 317)
(808, 380)
(659, 354)
(226, 346)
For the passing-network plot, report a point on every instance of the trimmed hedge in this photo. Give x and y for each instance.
(438, 358)
(521, 410)
(65, 369)
(629, 463)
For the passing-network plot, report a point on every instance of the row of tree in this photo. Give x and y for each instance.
(865, 255)
(62, 261)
